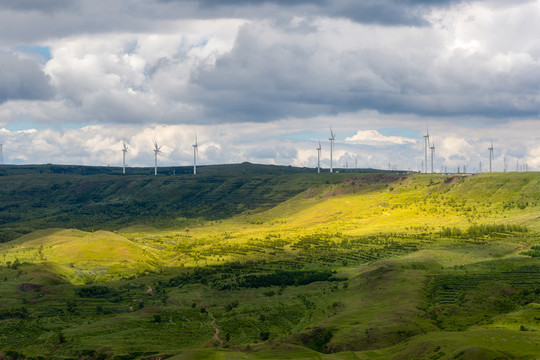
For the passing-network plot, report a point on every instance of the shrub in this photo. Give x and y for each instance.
(16, 313)
(231, 305)
(287, 278)
(95, 291)
(317, 338)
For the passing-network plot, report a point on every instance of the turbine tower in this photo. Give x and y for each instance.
(319, 158)
(490, 154)
(426, 142)
(157, 150)
(195, 154)
(332, 139)
(1, 154)
(124, 151)
(432, 148)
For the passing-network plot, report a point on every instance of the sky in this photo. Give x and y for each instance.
(263, 81)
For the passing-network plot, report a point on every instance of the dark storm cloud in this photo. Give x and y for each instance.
(22, 79)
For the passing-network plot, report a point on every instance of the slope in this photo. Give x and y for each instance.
(369, 267)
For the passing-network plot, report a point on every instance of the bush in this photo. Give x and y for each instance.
(95, 291)
(287, 278)
(231, 305)
(16, 313)
(61, 338)
(482, 230)
(317, 338)
(71, 307)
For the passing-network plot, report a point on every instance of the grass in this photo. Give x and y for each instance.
(395, 284)
(90, 198)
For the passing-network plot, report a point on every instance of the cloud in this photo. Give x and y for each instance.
(373, 137)
(22, 79)
(456, 145)
(299, 66)
(387, 12)
(25, 5)
(271, 71)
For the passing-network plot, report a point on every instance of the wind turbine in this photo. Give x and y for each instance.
(332, 139)
(1, 155)
(195, 154)
(490, 154)
(124, 151)
(157, 150)
(432, 148)
(426, 142)
(319, 158)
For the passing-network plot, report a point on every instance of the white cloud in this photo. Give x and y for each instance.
(373, 137)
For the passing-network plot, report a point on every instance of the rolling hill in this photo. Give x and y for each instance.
(341, 266)
(92, 198)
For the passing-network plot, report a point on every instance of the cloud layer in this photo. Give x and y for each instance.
(285, 69)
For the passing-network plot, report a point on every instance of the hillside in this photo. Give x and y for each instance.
(364, 266)
(92, 198)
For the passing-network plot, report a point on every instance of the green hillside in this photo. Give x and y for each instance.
(92, 198)
(341, 266)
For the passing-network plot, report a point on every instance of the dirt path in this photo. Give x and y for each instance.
(217, 331)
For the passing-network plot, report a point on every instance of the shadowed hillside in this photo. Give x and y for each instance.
(91, 198)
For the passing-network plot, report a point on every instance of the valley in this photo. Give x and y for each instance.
(269, 263)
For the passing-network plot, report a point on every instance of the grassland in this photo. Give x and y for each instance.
(352, 266)
(91, 198)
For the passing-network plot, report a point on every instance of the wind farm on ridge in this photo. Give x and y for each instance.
(426, 166)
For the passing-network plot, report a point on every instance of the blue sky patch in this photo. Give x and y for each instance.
(23, 125)
(43, 52)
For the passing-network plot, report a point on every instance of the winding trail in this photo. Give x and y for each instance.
(217, 330)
